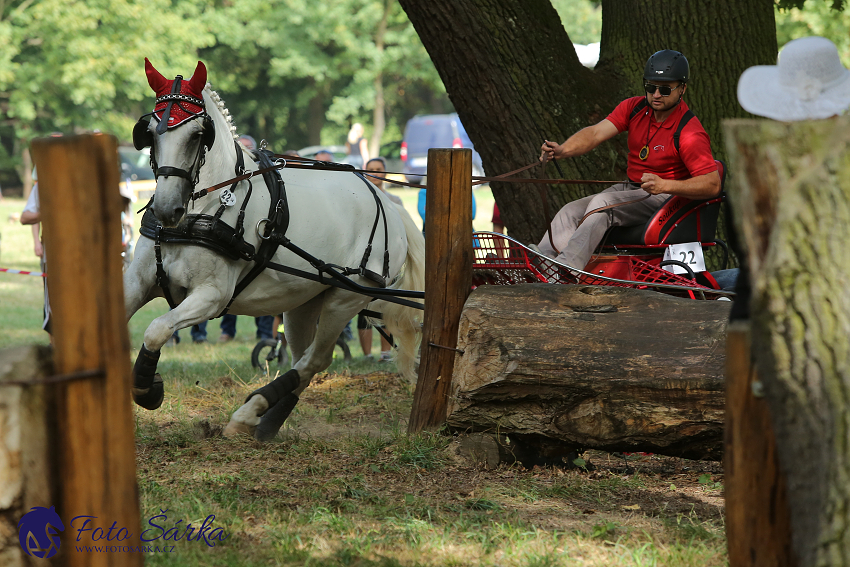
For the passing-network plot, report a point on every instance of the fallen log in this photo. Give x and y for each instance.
(557, 368)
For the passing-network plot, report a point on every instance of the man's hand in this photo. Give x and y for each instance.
(38, 249)
(549, 150)
(652, 184)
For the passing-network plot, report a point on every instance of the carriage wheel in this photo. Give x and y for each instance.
(268, 351)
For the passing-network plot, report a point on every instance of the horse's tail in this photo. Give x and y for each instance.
(405, 323)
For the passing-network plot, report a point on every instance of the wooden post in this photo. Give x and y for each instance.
(448, 259)
(791, 198)
(81, 209)
(758, 527)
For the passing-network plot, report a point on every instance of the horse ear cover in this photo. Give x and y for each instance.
(208, 137)
(142, 137)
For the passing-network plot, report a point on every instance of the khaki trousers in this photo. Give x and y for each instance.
(577, 243)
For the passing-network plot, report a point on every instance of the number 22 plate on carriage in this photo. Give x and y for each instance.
(689, 253)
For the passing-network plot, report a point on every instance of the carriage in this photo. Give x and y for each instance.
(628, 257)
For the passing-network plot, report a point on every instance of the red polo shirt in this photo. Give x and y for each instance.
(694, 157)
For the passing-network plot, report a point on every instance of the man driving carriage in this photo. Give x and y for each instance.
(669, 154)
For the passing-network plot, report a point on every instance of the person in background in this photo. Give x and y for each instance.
(31, 215)
(497, 220)
(356, 146)
(323, 155)
(378, 165)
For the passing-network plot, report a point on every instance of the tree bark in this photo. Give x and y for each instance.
(511, 72)
(792, 204)
(592, 367)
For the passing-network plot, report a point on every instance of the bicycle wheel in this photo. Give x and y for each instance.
(266, 351)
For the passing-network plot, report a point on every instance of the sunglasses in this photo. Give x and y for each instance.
(664, 90)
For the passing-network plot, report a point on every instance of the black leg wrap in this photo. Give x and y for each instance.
(273, 419)
(151, 399)
(148, 390)
(281, 387)
(145, 368)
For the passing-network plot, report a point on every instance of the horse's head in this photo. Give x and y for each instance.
(179, 131)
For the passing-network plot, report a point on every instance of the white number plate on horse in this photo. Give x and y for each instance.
(689, 253)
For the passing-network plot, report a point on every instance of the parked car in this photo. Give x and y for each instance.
(433, 131)
(310, 152)
(136, 171)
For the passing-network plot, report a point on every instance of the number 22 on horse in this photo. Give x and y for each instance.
(206, 255)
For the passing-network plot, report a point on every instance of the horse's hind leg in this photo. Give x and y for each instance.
(282, 394)
(200, 305)
(299, 328)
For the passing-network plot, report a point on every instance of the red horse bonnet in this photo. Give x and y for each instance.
(187, 106)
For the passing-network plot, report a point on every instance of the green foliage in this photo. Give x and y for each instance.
(817, 17)
(837, 5)
(292, 72)
(582, 19)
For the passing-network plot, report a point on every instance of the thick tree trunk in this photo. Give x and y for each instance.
(514, 78)
(592, 367)
(316, 118)
(792, 202)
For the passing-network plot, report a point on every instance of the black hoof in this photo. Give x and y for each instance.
(278, 389)
(273, 419)
(152, 398)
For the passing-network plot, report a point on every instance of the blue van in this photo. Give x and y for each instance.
(433, 131)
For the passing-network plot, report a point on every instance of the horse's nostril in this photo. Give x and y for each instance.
(178, 212)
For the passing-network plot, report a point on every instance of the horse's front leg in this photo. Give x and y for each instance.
(201, 304)
(139, 278)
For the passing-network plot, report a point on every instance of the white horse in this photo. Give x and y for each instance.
(332, 215)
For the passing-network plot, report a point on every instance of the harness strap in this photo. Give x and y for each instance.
(166, 114)
(278, 223)
(384, 294)
(161, 276)
(686, 117)
(385, 273)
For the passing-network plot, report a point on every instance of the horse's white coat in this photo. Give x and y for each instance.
(331, 217)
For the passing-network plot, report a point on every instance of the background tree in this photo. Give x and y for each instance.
(76, 65)
(312, 71)
(512, 74)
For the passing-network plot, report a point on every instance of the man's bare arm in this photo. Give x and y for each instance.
(579, 143)
(700, 187)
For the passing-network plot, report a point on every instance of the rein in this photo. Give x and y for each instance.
(303, 163)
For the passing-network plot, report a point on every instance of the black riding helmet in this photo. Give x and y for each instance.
(667, 65)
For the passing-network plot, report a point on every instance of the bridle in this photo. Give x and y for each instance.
(143, 138)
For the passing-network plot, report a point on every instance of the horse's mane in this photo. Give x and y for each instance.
(222, 109)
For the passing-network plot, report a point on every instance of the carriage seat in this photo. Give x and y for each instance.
(677, 221)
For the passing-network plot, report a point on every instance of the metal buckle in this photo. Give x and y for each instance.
(260, 234)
